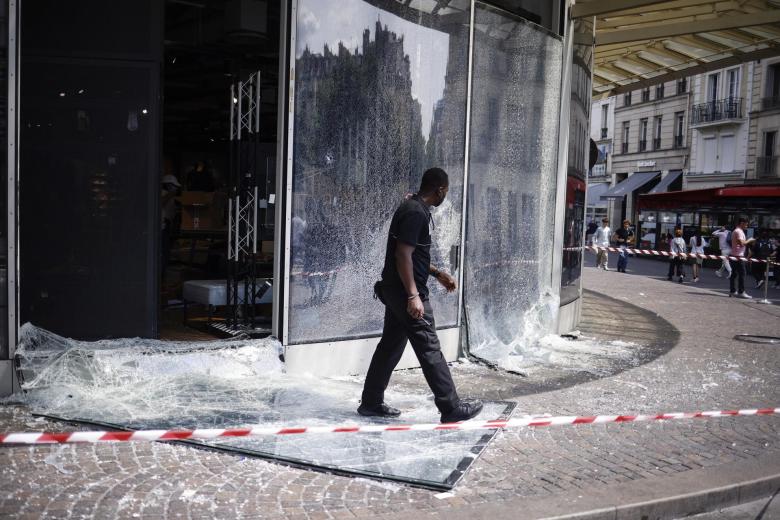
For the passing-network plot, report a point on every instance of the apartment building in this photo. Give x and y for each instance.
(651, 145)
(763, 146)
(602, 129)
(720, 127)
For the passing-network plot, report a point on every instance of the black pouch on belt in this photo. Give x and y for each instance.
(378, 288)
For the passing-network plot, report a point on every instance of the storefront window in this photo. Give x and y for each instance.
(380, 97)
(579, 146)
(516, 84)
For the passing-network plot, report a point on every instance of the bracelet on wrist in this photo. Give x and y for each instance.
(412, 297)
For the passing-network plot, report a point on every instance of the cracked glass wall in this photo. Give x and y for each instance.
(511, 195)
(579, 148)
(380, 96)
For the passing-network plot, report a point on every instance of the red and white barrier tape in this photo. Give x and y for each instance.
(652, 252)
(261, 431)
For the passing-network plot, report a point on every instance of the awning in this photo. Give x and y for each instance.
(595, 191)
(640, 43)
(629, 185)
(663, 186)
(754, 199)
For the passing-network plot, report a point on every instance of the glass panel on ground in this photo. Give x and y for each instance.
(148, 384)
(380, 97)
(511, 195)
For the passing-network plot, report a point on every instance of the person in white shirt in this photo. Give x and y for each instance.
(739, 243)
(601, 240)
(697, 245)
(677, 262)
(725, 250)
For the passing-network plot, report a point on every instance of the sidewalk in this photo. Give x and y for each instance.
(693, 363)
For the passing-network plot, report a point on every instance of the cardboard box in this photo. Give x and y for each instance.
(202, 210)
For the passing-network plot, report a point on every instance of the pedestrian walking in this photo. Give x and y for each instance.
(408, 313)
(697, 245)
(739, 243)
(761, 249)
(601, 241)
(592, 227)
(677, 260)
(724, 243)
(624, 237)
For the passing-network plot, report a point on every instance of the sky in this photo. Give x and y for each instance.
(329, 22)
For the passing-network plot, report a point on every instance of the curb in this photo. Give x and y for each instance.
(677, 496)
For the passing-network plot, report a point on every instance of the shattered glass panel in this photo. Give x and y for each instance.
(511, 196)
(148, 384)
(380, 97)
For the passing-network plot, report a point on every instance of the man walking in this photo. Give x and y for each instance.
(724, 242)
(408, 312)
(601, 240)
(738, 245)
(624, 237)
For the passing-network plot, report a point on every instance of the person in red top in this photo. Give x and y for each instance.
(739, 243)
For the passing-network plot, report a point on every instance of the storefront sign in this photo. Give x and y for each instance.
(645, 164)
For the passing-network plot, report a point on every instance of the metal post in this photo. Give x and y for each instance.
(766, 301)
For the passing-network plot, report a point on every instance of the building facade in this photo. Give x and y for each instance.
(720, 127)
(602, 131)
(651, 144)
(764, 113)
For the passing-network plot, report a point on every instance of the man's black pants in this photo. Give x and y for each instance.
(737, 275)
(399, 327)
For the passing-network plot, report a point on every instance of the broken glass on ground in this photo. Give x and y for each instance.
(148, 384)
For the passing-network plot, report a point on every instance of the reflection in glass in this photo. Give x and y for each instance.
(514, 135)
(579, 148)
(379, 97)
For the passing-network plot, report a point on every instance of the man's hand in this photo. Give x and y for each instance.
(447, 281)
(415, 308)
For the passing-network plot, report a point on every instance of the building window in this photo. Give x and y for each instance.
(732, 81)
(682, 85)
(604, 125)
(643, 135)
(657, 137)
(766, 165)
(659, 91)
(771, 97)
(679, 129)
(645, 94)
(712, 87)
(627, 99)
(624, 144)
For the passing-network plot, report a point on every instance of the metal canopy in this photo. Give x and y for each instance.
(663, 186)
(640, 43)
(595, 191)
(629, 185)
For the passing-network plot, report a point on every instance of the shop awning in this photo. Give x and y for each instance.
(663, 186)
(629, 185)
(756, 198)
(640, 43)
(595, 191)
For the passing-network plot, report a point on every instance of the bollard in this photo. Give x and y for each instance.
(766, 301)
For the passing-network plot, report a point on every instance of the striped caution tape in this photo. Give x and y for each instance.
(651, 252)
(262, 431)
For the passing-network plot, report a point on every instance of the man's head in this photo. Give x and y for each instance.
(742, 223)
(435, 183)
(678, 233)
(626, 224)
(605, 222)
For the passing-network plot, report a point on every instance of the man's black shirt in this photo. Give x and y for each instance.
(410, 226)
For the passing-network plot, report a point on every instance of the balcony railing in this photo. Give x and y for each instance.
(678, 141)
(718, 110)
(766, 167)
(604, 133)
(624, 147)
(657, 143)
(769, 103)
(642, 146)
(598, 170)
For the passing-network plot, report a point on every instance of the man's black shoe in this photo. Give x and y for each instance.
(463, 412)
(379, 410)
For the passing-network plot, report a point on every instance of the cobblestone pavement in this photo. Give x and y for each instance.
(692, 363)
